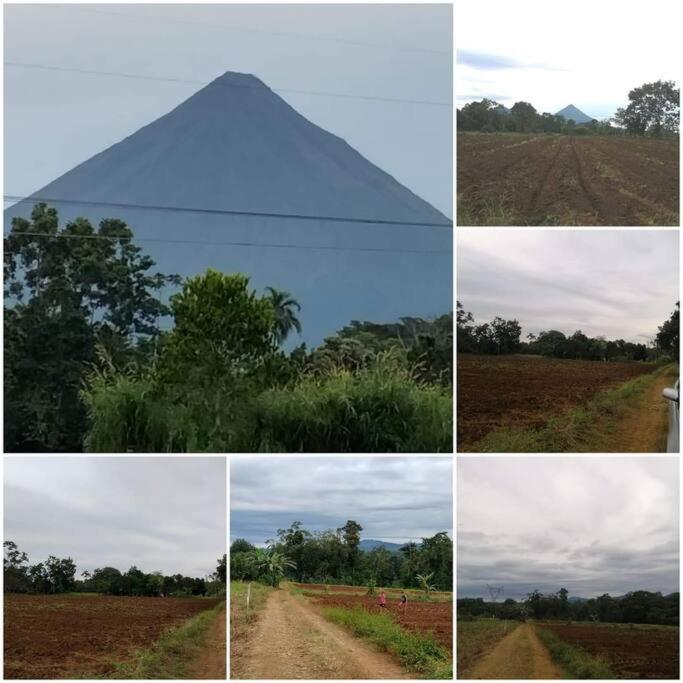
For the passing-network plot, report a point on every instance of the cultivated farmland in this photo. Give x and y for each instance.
(525, 391)
(68, 636)
(632, 650)
(519, 179)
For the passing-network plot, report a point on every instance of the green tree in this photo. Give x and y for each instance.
(423, 581)
(285, 309)
(65, 291)
(653, 108)
(525, 117)
(15, 569)
(668, 337)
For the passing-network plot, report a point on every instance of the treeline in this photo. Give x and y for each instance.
(504, 337)
(88, 367)
(335, 557)
(637, 607)
(653, 109)
(58, 575)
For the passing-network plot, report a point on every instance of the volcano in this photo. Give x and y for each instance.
(236, 146)
(572, 112)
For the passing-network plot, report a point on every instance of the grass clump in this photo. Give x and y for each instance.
(417, 652)
(576, 662)
(170, 655)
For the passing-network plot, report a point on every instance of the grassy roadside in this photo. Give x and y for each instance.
(243, 621)
(477, 637)
(577, 663)
(580, 430)
(170, 656)
(417, 652)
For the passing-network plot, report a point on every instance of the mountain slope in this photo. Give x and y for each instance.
(572, 112)
(368, 544)
(236, 145)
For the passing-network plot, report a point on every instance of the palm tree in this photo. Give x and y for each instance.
(270, 564)
(285, 308)
(423, 581)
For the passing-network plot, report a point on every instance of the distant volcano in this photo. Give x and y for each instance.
(237, 146)
(571, 112)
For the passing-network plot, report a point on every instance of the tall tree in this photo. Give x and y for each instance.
(285, 309)
(653, 108)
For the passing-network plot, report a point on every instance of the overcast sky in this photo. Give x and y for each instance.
(393, 499)
(54, 120)
(591, 525)
(587, 53)
(621, 284)
(166, 514)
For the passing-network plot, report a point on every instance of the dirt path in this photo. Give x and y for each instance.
(519, 655)
(210, 663)
(644, 428)
(292, 641)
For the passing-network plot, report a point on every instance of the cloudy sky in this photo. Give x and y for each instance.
(393, 51)
(621, 284)
(590, 54)
(394, 499)
(591, 525)
(166, 514)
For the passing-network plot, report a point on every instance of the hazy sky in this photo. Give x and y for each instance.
(621, 284)
(591, 525)
(166, 514)
(393, 499)
(587, 53)
(55, 120)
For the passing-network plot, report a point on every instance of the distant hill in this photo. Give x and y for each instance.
(571, 112)
(368, 544)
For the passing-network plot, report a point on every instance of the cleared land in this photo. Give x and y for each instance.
(74, 636)
(633, 651)
(518, 179)
(477, 637)
(523, 392)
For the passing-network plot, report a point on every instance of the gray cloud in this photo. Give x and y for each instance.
(394, 499)
(618, 284)
(592, 525)
(166, 514)
(487, 61)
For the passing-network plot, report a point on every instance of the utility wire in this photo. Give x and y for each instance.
(165, 79)
(246, 29)
(268, 245)
(227, 212)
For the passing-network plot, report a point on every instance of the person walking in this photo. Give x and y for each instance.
(403, 605)
(383, 600)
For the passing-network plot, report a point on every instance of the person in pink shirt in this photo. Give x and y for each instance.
(383, 600)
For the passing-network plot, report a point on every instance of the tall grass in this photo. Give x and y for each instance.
(575, 661)
(170, 656)
(417, 652)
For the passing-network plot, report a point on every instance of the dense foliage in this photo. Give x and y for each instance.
(503, 337)
(335, 557)
(87, 365)
(58, 575)
(653, 109)
(637, 607)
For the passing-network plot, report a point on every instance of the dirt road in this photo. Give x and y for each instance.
(519, 655)
(292, 641)
(644, 428)
(210, 663)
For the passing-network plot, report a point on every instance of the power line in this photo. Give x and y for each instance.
(168, 79)
(227, 212)
(246, 29)
(268, 245)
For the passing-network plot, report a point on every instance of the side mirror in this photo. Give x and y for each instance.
(671, 394)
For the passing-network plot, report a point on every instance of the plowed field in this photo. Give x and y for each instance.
(633, 652)
(524, 391)
(516, 179)
(63, 637)
(421, 617)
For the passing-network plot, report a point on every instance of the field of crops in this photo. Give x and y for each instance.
(524, 391)
(420, 617)
(517, 179)
(68, 636)
(633, 651)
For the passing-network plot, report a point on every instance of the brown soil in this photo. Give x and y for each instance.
(292, 641)
(524, 391)
(537, 179)
(519, 655)
(210, 664)
(49, 636)
(633, 652)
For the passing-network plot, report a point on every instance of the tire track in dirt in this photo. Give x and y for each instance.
(292, 641)
(534, 200)
(210, 664)
(519, 655)
(583, 182)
